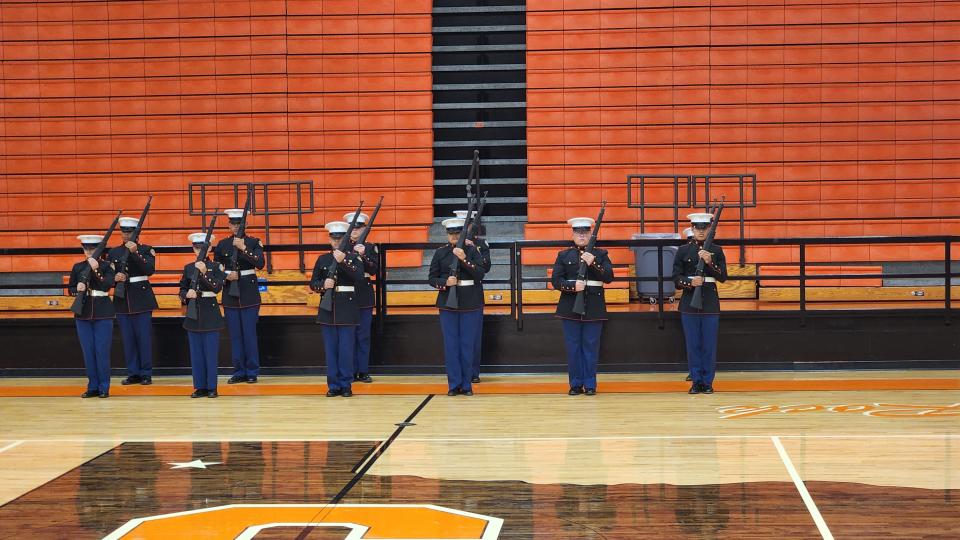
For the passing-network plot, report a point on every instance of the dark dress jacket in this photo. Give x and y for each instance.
(139, 296)
(348, 273)
(564, 279)
(210, 318)
(94, 307)
(371, 265)
(469, 297)
(685, 268)
(249, 258)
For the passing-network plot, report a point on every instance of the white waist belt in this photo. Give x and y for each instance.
(97, 293)
(208, 294)
(705, 279)
(464, 282)
(345, 288)
(592, 283)
(248, 272)
(137, 279)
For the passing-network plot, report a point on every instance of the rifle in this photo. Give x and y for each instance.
(234, 288)
(452, 301)
(475, 224)
(326, 302)
(120, 290)
(366, 231)
(697, 301)
(81, 298)
(193, 311)
(580, 304)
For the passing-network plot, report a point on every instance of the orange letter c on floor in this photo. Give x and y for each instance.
(381, 521)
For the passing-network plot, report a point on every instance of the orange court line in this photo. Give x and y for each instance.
(385, 389)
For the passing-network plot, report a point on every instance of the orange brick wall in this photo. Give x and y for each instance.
(849, 113)
(103, 102)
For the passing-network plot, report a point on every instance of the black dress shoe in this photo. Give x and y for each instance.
(104, 395)
(90, 393)
(212, 394)
(689, 378)
(706, 389)
(475, 380)
(591, 391)
(198, 393)
(147, 381)
(452, 392)
(364, 377)
(575, 392)
(133, 379)
(694, 389)
(347, 393)
(251, 380)
(466, 392)
(236, 379)
(333, 393)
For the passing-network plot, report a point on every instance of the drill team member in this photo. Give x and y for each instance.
(242, 313)
(203, 334)
(95, 322)
(480, 243)
(369, 256)
(582, 332)
(135, 309)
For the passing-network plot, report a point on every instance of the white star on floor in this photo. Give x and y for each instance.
(195, 464)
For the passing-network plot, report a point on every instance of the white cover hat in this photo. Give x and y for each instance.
(462, 214)
(700, 217)
(580, 222)
(453, 223)
(128, 222)
(234, 213)
(348, 217)
(337, 227)
(90, 239)
(198, 238)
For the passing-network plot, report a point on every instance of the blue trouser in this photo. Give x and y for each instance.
(242, 325)
(204, 347)
(338, 344)
(96, 336)
(362, 353)
(137, 350)
(700, 331)
(477, 348)
(583, 351)
(459, 343)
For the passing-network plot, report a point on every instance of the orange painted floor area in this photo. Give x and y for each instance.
(389, 388)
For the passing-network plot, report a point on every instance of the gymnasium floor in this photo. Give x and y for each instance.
(788, 455)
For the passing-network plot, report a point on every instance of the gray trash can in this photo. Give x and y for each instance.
(646, 261)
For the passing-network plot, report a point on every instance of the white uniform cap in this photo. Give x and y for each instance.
(348, 217)
(198, 238)
(688, 232)
(453, 223)
(462, 214)
(234, 213)
(580, 222)
(337, 227)
(700, 217)
(87, 239)
(128, 222)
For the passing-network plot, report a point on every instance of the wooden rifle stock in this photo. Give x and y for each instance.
(81, 298)
(580, 303)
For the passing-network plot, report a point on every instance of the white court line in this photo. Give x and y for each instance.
(804, 494)
(11, 445)
(118, 440)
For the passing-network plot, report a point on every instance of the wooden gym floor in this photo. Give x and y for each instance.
(789, 455)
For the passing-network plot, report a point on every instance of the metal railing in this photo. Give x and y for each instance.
(517, 279)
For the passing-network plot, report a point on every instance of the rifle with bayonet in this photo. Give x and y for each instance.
(696, 301)
(326, 302)
(81, 298)
(120, 290)
(193, 311)
(580, 304)
(233, 289)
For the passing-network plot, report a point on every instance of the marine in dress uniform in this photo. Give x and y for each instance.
(135, 308)
(203, 333)
(95, 322)
(339, 325)
(481, 244)
(369, 256)
(241, 313)
(688, 234)
(700, 327)
(582, 332)
(459, 325)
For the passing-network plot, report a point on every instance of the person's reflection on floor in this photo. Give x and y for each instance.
(117, 486)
